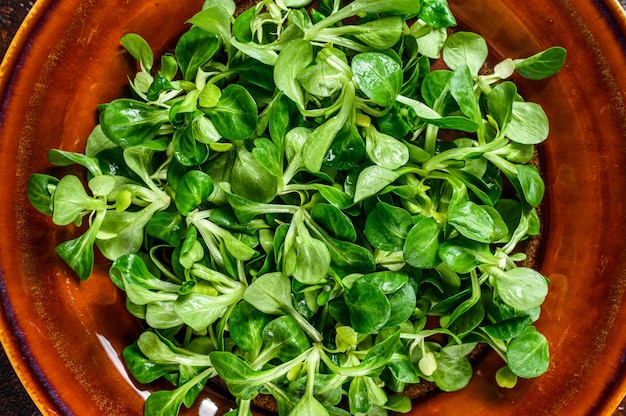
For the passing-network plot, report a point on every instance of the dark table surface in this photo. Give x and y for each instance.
(13, 398)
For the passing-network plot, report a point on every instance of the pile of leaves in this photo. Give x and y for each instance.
(281, 212)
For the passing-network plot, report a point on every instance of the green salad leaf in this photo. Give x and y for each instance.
(296, 201)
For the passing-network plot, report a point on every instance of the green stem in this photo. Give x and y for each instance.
(312, 364)
(501, 163)
(498, 345)
(430, 138)
(304, 324)
(438, 161)
(213, 276)
(244, 407)
(430, 332)
(338, 40)
(267, 376)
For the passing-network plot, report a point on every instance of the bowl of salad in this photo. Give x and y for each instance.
(285, 207)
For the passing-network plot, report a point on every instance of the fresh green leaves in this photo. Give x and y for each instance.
(465, 48)
(293, 60)
(235, 114)
(543, 64)
(194, 49)
(528, 124)
(282, 212)
(139, 49)
(369, 307)
(522, 288)
(378, 76)
(422, 242)
(129, 122)
(194, 187)
(387, 227)
(527, 354)
(271, 294)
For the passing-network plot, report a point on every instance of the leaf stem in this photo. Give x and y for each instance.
(304, 324)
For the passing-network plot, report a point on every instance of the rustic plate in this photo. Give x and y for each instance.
(64, 337)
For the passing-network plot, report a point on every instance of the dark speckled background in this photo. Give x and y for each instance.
(14, 400)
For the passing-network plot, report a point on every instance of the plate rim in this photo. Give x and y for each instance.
(12, 339)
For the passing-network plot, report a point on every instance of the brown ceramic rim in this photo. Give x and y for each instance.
(615, 389)
(12, 337)
(12, 328)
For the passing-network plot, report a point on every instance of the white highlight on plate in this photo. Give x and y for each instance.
(207, 408)
(119, 365)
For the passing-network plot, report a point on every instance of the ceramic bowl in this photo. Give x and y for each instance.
(64, 336)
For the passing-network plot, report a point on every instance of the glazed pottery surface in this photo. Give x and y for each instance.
(65, 336)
